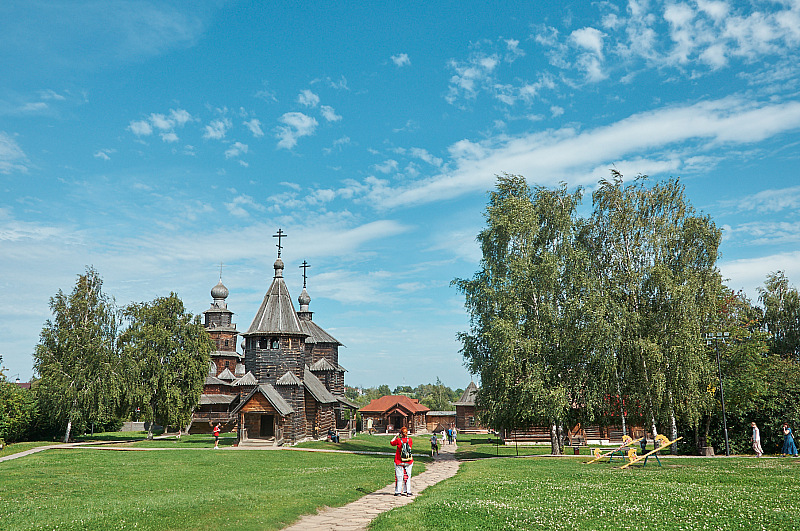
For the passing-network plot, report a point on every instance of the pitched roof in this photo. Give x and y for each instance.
(317, 390)
(468, 398)
(247, 379)
(213, 380)
(217, 399)
(316, 334)
(272, 396)
(276, 314)
(226, 375)
(388, 402)
(345, 402)
(441, 413)
(322, 365)
(289, 379)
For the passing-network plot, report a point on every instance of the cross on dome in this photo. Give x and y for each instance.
(280, 235)
(304, 267)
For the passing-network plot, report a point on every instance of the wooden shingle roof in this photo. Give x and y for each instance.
(317, 389)
(276, 314)
(272, 396)
(468, 397)
(316, 334)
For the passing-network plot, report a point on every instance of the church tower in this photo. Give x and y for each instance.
(219, 325)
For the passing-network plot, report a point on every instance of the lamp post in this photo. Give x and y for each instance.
(716, 337)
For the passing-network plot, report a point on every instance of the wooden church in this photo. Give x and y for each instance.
(287, 386)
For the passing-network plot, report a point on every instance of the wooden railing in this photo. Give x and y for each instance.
(211, 416)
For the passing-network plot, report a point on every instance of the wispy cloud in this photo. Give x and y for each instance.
(570, 154)
(329, 114)
(12, 158)
(308, 98)
(217, 129)
(401, 59)
(772, 200)
(104, 154)
(254, 126)
(295, 125)
(236, 149)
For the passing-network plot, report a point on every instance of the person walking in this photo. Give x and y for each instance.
(403, 462)
(789, 448)
(756, 440)
(217, 429)
(434, 445)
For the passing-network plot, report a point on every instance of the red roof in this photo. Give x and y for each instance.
(385, 403)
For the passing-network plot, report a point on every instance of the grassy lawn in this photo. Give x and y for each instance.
(565, 494)
(479, 446)
(94, 489)
(364, 442)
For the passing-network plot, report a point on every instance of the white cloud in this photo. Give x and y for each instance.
(308, 98)
(295, 125)
(237, 206)
(329, 114)
(748, 274)
(159, 121)
(772, 200)
(401, 59)
(12, 158)
(49, 94)
(104, 154)
(590, 39)
(180, 116)
(217, 129)
(569, 154)
(140, 128)
(169, 136)
(235, 150)
(254, 126)
(388, 166)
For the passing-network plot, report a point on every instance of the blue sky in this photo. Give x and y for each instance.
(154, 140)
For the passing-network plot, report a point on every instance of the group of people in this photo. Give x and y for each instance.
(789, 446)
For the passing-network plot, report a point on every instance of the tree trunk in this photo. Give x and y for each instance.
(69, 428)
(555, 448)
(673, 426)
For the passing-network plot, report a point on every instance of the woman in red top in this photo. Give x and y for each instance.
(216, 436)
(402, 463)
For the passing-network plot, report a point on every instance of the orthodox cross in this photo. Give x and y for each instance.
(280, 235)
(304, 267)
(220, 271)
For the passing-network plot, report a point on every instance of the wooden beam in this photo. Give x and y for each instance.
(669, 443)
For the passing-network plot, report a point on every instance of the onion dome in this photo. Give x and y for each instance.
(219, 291)
(278, 268)
(304, 299)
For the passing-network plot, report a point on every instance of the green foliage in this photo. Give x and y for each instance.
(592, 319)
(169, 352)
(18, 411)
(81, 369)
(782, 315)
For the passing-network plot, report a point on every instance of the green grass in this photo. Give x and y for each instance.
(564, 494)
(97, 489)
(364, 442)
(480, 446)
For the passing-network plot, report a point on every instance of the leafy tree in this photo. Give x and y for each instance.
(656, 260)
(782, 315)
(534, 316)
(18, 411)
(440, 398)
(78, 360)
(169, 350)
(404, 390)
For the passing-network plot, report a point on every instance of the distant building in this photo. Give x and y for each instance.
(466, 415)
(390, 413)
(287, 386)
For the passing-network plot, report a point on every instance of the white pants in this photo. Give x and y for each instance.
(402, 485)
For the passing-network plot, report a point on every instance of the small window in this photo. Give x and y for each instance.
(226, 342)
(275, 343)
(227, 364)
(262, 343)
